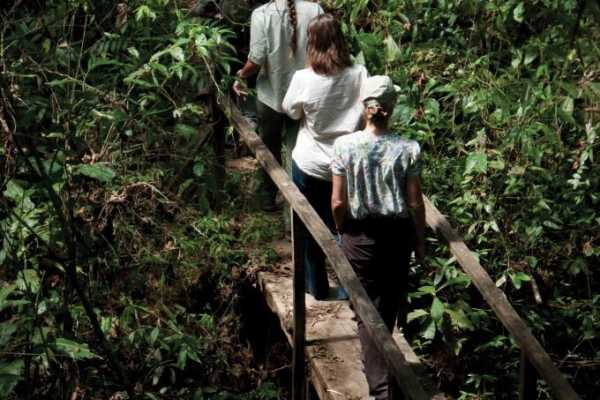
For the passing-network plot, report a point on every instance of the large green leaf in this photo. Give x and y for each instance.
(177, 53)
(392, 51)
(13, 191)
(28, 280)
(7, 329)
(100, 172)
(437, 309)
(420, 313)
(6, 291)
(10, 375)
(476, 163)
(77, 351)
(186, 131)
(568, 105)
(519, 12)
(459, 319)
(429, 331)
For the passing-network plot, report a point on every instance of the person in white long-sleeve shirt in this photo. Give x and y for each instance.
(325, 98)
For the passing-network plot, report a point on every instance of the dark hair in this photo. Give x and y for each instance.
(291, 6)
(327, 51)
(378, 115)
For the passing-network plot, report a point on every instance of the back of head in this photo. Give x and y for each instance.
(327, 48)
(378, 95)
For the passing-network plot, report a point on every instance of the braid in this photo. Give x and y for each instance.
(291, 5)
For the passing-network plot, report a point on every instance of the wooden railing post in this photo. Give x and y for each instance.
(218, 142)
(528, 378)
(298, 374)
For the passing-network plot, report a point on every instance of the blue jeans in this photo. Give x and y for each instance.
(318, 194)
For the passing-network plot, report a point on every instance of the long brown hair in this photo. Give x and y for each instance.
(293, 15)
(327, 50)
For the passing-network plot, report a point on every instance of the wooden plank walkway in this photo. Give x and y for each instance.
(333, 349)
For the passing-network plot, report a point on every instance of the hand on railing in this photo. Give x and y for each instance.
(240, 88)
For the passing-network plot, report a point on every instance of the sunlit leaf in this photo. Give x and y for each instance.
(77, 351)
(7, 329)
(437, 309)
(429, 332)
(177, 53)
(392, 51)
(13, 191)
(568, 105)
(10, 376)
(519, 12)
(476, 163)
(459, 319)
(416, 314)
(28, 280)
(100, 172)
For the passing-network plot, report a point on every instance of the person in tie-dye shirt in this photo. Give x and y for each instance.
(377, 206)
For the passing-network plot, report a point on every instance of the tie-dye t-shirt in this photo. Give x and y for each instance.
(376, 169)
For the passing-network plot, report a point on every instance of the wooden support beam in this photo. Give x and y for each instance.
(500, 305)
(528, 379)
(220, 130)
(298, 361)
(363, 306)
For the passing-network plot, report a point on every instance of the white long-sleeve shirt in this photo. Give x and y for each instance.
(329, 107)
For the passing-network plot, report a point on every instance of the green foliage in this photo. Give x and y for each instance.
(104, 173)
(107, 107)
(503, 98)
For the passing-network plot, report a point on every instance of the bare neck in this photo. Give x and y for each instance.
(376, 130)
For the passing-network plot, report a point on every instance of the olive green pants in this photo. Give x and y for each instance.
(279, 133)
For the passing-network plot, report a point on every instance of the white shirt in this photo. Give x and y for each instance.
(330, 107)
(270, 37)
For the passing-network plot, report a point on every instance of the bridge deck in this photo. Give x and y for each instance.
(333, 348)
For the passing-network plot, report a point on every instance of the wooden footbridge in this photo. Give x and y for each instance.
(323, 334)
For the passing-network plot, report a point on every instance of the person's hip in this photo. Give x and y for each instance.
(380, 229)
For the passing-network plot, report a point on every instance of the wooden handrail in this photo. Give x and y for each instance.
(497, 300)
(363, 306)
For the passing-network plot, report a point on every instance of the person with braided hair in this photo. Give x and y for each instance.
(278, 37)
(377, 206)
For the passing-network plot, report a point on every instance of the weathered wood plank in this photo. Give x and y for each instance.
(363, 306)
(499, 303)
(333, 349)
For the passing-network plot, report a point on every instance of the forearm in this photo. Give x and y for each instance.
(339, 200)
(339, 210)
(249, 69)
(417, 212)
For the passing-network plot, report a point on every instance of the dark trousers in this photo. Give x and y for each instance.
(379, 251)
(275, 129)
(318, 194)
